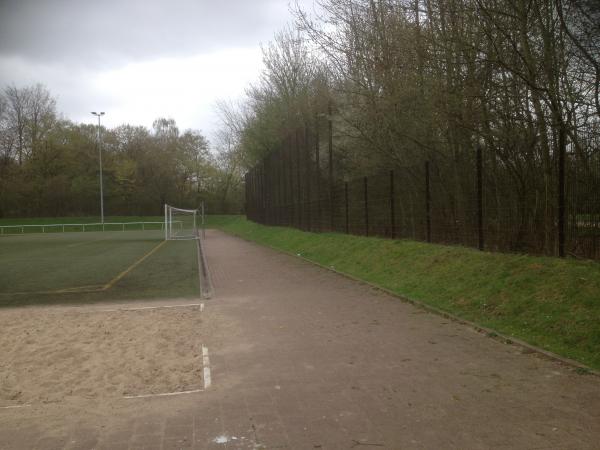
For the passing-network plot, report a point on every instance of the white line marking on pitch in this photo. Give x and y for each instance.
(206, 364)
(166, 394)
(153, 307)
(14, 406)
(201, 307)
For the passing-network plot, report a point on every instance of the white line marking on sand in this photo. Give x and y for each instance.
(153, 307)
(206, 364)
(14, 406)
(201, 307)
(166, 394)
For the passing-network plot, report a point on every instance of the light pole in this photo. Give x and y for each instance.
(100, 114)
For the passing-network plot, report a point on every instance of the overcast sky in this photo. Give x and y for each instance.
(138, 59)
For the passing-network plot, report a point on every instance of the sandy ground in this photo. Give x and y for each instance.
(54, 354)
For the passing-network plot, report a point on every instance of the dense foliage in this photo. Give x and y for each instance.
(49, 166)
(404, 83)
(414, 79)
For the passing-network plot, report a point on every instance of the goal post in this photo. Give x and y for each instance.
(180, 223)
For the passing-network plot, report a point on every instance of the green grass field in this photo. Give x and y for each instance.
(549, 302)
(86, 267)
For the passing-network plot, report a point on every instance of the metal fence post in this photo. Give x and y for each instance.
(480, 198)
(272, 191)
(282, 189)
(252, 193)
(561, 191)
(266, 196)
(261, 190)
(255, 194)
(308, 202)
(298, 185)
(392, 210)
(246, 192)
(292, 208)
(346, 201)
(318, 174)
(252, 201)
(330, 125)
(275, 187)
(257, 211)
(427, 202)
(366, 206)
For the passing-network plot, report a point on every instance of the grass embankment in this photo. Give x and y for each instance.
(549, 302)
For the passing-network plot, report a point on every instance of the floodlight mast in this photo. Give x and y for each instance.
(100, 114)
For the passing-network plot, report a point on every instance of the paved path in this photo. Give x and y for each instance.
(302, 358)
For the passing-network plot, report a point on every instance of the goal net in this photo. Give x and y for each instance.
(181, 223)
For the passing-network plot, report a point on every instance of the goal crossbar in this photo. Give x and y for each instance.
(194, 211)
(180, 223)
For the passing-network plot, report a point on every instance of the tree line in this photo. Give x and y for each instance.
(403, 82)
(411, 78)
(49, 165)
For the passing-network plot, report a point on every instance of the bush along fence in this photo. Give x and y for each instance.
(547, 207)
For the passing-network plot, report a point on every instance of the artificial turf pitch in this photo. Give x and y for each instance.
(95, 266)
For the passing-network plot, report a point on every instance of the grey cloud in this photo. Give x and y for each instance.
(106, 33)
(66, 44)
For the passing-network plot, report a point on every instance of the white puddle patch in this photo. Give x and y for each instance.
(224, 439)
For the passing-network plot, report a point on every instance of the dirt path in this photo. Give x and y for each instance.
(323, 361)
(302, 358)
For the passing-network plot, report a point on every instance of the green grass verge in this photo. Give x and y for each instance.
(551, 303)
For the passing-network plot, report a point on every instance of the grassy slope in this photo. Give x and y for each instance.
(549, 302)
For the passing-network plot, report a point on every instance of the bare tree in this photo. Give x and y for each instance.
(40, 113)
(17, 100)
(30, 114)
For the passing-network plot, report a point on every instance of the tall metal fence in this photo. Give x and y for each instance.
(479, 200)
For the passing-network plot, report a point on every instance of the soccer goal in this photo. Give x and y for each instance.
(181, 223)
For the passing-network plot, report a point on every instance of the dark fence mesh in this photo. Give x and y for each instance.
(583, 197)
(480, 200)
